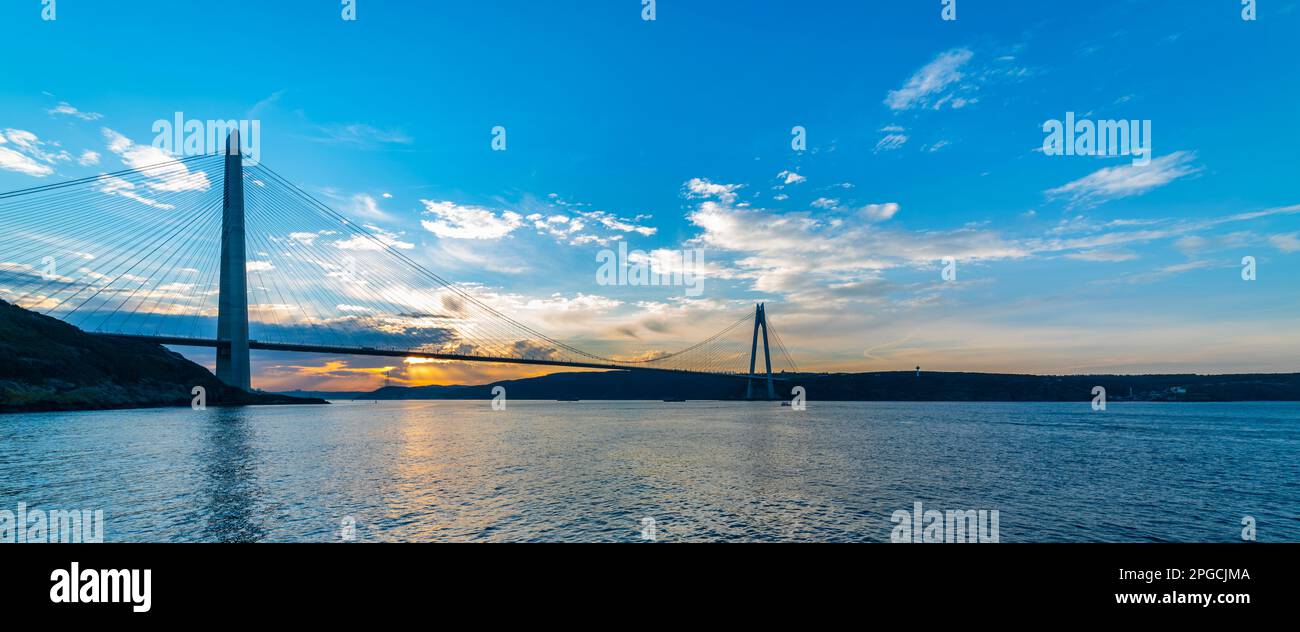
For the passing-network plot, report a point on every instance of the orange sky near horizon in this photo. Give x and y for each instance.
(361, 374)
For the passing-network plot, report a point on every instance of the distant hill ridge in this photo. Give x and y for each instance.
(46, 364)
(880, 386)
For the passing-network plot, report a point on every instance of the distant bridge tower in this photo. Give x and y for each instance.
(232, 303)
(760, 320)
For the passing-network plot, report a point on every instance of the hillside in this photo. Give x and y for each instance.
(46, 364)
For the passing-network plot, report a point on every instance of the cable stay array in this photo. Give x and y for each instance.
(136, 252)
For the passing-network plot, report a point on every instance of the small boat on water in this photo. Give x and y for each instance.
(674, 400)
(571, 399)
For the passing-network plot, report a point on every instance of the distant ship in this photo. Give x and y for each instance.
(674, 400)
(569, 399)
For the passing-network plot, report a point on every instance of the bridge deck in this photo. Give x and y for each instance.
(394, 353)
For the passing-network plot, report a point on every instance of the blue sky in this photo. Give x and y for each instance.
(924, 141)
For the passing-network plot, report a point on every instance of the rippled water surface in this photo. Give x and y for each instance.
(434, 471)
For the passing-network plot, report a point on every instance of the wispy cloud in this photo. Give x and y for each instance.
(1165, 272)
(382, 238)
(66, 109)
(893, 138)
(1106, 256)
(117, 186)
(935, 84)
(1122, 181)
(360, 135)
(366, 206)
(1286, 243)
(615, 223)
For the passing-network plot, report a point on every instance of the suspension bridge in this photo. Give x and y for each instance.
(205, 251)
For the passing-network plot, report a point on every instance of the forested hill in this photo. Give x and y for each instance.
(46, 364)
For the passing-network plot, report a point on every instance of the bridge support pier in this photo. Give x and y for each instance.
(760, 320)
(232, 304)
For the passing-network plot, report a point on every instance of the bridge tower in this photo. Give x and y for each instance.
(760, 320)
(232, 303)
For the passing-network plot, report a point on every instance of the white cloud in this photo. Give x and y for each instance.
(175, 176)
(1286, 243)
(932, 80)
(28, 154)
(809, 259)
(308, 239)
(113, 185)
(468, 222)
(14, 161)
(66, 109)
(790, 177)
(382, 239)
(701, 188)
(879, 212)
(580, 303)
(88, 158)
(1126, 180)
(825, 203)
